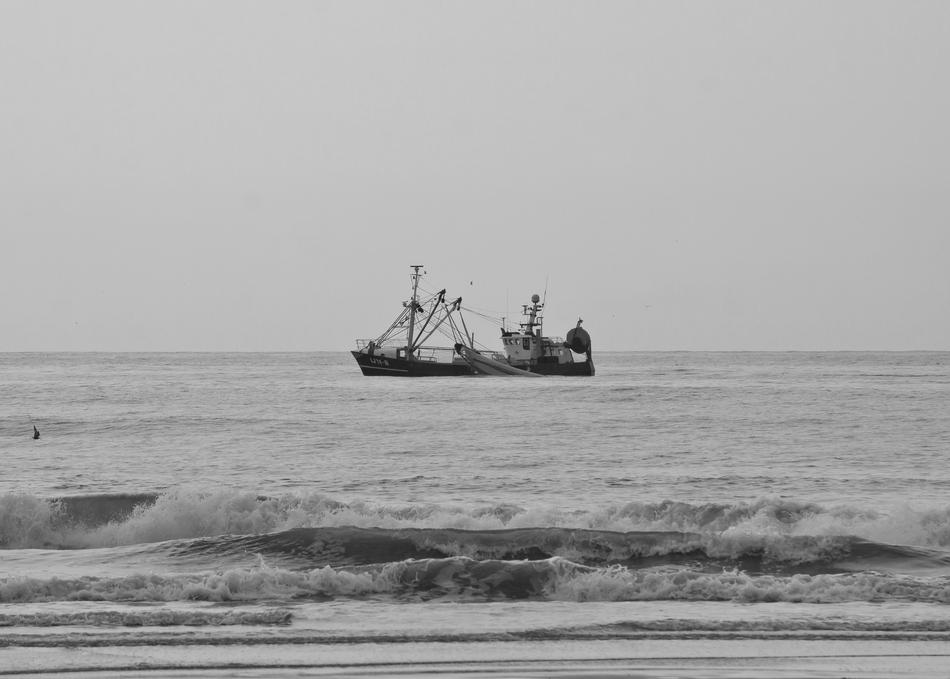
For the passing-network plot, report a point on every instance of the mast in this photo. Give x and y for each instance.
(533, 313)
(412, 307)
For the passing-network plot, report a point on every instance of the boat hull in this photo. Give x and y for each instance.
(488, 365)
(401, 367)
(576, 369)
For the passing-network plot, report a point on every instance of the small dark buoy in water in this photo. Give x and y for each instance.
(36, 432)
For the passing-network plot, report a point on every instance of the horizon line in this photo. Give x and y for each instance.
(346, 351)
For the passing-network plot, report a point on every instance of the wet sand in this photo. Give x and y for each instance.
(666, 658)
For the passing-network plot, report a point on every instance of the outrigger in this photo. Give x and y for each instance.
(404, 349)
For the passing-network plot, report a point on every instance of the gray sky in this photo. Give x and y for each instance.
(181, 175)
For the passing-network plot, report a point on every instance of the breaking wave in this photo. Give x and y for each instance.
(95, 521)
(229, 546)
(351, 546)
(466, 579)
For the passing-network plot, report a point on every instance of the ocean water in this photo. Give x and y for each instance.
(679, 514)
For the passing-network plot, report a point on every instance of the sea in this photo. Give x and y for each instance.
(279, 514)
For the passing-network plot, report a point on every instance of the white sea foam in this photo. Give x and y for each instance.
(27, 521)
(556, 579)
(621, 584)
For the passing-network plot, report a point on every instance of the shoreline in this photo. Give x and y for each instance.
(675, 657)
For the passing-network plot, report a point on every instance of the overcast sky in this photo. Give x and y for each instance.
(185, 175)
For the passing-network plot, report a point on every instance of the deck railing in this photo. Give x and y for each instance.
(423, 354)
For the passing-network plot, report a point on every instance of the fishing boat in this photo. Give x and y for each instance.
(529, 349)
(404, 348)
(409, 346)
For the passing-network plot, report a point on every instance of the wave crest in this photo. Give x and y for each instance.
(465, 579)
(108, 521)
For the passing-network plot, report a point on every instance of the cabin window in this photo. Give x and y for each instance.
(526, 343)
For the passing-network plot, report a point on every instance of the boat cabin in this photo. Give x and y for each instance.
(529, 347)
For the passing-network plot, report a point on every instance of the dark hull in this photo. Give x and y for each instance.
(577, 369)
(401, 367)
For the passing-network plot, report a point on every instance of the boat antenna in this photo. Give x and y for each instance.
(507, 312)
(544, 301)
